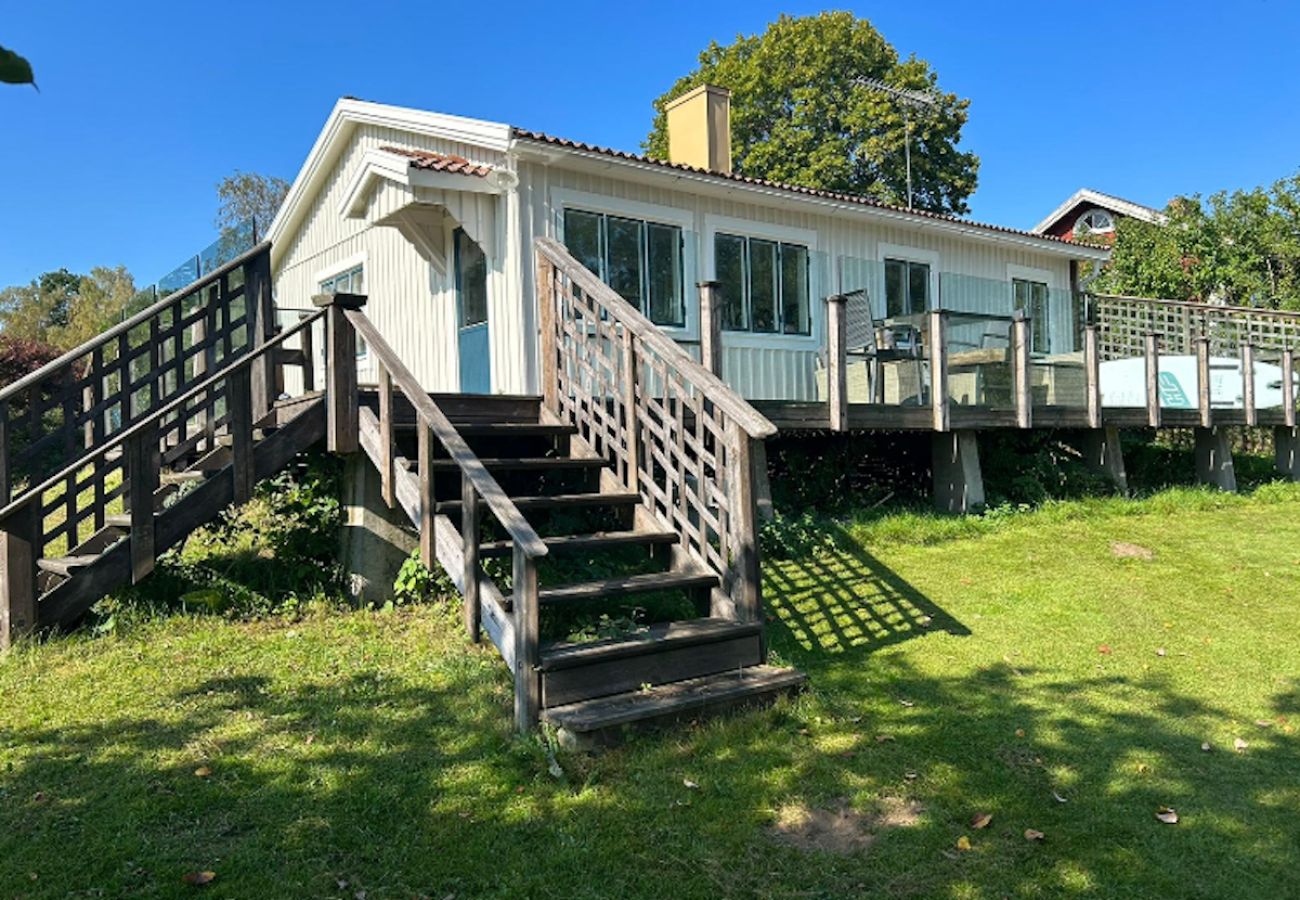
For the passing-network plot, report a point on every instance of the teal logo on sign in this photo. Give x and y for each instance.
(1171, 392)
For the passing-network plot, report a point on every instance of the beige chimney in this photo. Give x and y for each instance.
(699, 128)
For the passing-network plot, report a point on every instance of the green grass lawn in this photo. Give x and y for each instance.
(1014, 665)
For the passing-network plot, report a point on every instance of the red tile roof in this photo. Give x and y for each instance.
(792, 188)
(428, 161)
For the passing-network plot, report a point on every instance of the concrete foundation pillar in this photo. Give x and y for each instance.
(958, 481)
(1214, 459)
(375, 540)
(1102, 455)
(1286, 450)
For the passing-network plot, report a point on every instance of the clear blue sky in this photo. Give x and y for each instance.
(144, 106)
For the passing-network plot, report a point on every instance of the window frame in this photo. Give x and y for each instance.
(1051, 281)
(905, 253)
(352, 265)
(778, 310)
(1036, 322)
(806, 238)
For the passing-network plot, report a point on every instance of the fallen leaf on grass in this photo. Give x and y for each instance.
(1020, 732)
(1033, 834)
(1167, 815)
(199, 878)
(883, 738)
(907, 703)
(202, 772)
(1059, 798)
(690, 784)
(1264, 723)
(963, 843)
(1205, 745)
(1103, 649)
(1160, 651)
(981, 820)
(910, 776)
(1239, 745)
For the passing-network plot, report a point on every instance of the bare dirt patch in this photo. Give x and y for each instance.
(841, 829)
(1125, 550)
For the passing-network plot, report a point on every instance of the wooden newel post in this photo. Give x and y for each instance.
(1151, 345)
(711, 326)
(1092, 375)
(528, 684)
(18, 552)
(748, 596)
(545, 277)
(240, 404)
(837, 376)
(1203, 381)
(307, 344)
(1248, 383)
(260, 309)
(938, 371)
(1020, 370)
(143, 463)
(469, 535)
(341, 409)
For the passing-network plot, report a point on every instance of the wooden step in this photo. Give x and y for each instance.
(600, 720)
(660, 654)
(600, 540)
(65, 565)
(184, 476)
(515, 429)
(627, 585)
(557, 501)
(523, 463)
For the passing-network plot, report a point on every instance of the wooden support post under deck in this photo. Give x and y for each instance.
(1151, 344)
(1092, 375)
(341, 429)
(545, 277)
(142, 468)
(939, 372)
(424, 452)
(1286, 451)
(528, 683)
(1103, 455)
(631, 427)
(1203, 382)
(1288, 388)
(1214, 459)
(469, 533)
(239, 403)
(1020, 371)
(711, 326)
(387, 450)
(837, 377)
(18, 552)
(1248, 383)
(958, 479)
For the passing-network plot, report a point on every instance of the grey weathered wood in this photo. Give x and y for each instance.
(711, 326)
(627, 585)
(18, 553)
(557, 501)
(4, 453)
(239, 403)
(308, 345)
(341, 401)
(387, 448)
(1020, 372)
(631, 427)
(748, 596)
(260, 311)
(1286, 450)
(1092, 375)
(938, 347)
(1288, 387)
(142, 466)
(1248, 383)
(958, 479)
(1203, 382)
(545, 278)
(1214, 459)
(424, 455)
(469, 531)
(525, 611)
(579, 543)
(837, 376)
(1151, 352)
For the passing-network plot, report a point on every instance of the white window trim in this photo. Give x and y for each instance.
(1028, 273)
(338, 268)
(768, 231)
(584, 201)
(931, 258)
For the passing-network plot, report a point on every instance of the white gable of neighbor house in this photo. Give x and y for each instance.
(347, 198)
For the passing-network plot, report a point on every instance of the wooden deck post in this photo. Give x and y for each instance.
(1092, 375)
(939, 372)
(469, 533)
(1103, 455)
(1214, 459)
(424, 452)
(631, 421)
(711, 326)
(260, 310)
(837, 378)
(18, 552)
(307, 343)
(239, 403)
(1286, 451)
(545, 277)
(142, 469)
(748, 597)
(387, 450)
(1020, 370)
(1203, 381)
(1248, 383)
(1288, 388)
(341, 410)
(958, 479)
(528, 684)
(1151, 345)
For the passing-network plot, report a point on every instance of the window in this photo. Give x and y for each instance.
(1095, 221)
(1031, 296)
(764, 285)
(907, 287)
(471, 281)
(353, 281)
(640, 260)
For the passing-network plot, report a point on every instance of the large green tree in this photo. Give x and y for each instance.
(65, 309)
(246, 196)
(798, 116)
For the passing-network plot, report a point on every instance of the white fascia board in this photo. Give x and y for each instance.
(698, 183)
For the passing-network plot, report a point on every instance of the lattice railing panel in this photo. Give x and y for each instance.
(1124, 322)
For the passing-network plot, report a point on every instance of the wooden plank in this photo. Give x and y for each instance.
(340, 372)
(425, 463)
(1203, 382)
(1288, 389)
(627, 585)
(1248, 383)
(631, 423)
(142, 466)
(578, 543)
(526, 614)
(545, 276)
(1092, 375)
(1020, 371)
(469, 531)
(711, 326)
(387, 449)
(938, 371)
(748, 595)
(18, 553)
(1151, 352)
(837, 375)
(239, 401)
(307, 342)
(558, 501)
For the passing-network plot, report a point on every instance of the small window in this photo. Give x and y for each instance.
(1095, 221)
(1032, 297)
(640, 260)
(907, 287)
(764, 285)
(353, 281)
(471, 280)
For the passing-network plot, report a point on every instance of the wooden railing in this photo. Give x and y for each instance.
(1124, 323)
(671, 429)
(34, 526)
(479, 489)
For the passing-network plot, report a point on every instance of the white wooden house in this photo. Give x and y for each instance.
(433, 216)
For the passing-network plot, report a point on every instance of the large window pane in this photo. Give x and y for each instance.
(624, 238)
(471, 280)
(895, 288)
(794, 290)
(762, 285)
(729, 263)
(918, 287)
(663, 246)
(582, 238)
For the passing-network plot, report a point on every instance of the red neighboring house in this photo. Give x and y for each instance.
(1092, 215)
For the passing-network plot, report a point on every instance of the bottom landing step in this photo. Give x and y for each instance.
(591, 723)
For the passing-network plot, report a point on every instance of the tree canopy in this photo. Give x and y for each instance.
(797, 115)
(1241, 248)
(248, 195)
(64, 309)
(15, 69)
